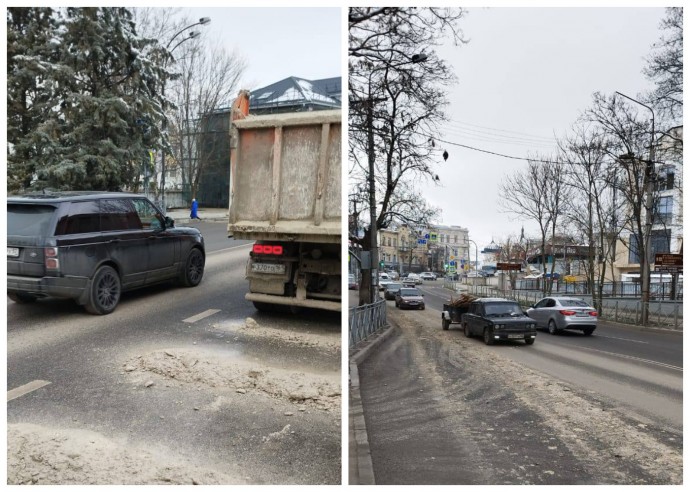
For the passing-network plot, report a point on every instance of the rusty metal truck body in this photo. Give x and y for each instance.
(285, 194)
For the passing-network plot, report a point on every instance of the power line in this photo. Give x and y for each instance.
(489, 151)
(528, 135)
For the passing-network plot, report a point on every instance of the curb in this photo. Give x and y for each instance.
(364, 466)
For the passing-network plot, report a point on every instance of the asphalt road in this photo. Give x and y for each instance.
(444, 409)
(642, 370)
(254, 404)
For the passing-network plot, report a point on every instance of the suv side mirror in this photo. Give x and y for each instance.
(169, 222)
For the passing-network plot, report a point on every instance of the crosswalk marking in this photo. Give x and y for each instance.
(205, 314)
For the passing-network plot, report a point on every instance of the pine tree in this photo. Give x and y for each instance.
(102, 111)
(32, 41)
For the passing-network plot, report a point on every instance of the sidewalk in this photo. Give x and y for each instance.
(181, 215)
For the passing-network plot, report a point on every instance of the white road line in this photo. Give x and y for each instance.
(27, 388)
(205, 314)
(630, 357)
(228, 249)
(626, 339)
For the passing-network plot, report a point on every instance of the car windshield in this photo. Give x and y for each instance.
(409, 292)
(573, 303)
(502, 309)
(28, 220)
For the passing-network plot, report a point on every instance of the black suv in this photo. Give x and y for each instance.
(498, 319)
(92, 246)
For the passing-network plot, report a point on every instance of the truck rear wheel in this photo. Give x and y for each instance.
(445, 323)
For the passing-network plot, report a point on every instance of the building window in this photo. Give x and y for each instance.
(663, 210)
(659, 242)
(665, 178)
(456, 239)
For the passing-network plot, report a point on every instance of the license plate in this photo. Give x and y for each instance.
(13, 252)
(276, 268)
(516, 336)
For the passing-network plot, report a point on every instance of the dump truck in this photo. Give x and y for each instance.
(285, 195)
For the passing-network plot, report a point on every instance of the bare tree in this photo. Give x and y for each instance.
(209, 77)
(592, 178)
(665, 66)
(525, 193)
(397, 89)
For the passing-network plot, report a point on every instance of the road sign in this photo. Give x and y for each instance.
(433, 237)
(426, 236)
(452, 257)
(421, 241)
(452, 263)
(508, 266)
(668, 259)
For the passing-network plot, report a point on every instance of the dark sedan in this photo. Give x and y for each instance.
(409, 298)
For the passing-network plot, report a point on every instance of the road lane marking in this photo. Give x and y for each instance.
(626, 339)
(27, 388)
(228, 249)
(205, 314)
(647, 361)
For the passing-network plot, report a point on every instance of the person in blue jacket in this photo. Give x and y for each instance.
(195, 210)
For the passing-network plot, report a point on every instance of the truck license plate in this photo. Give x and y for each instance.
(516, 336)
(13, 252)
(276, 268)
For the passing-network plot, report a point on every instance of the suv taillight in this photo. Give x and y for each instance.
(51, 258)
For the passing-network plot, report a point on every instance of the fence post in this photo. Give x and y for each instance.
(615, 317)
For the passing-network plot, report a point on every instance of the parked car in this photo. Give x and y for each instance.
(564, 313)
(352, 283)
(498, 319)
(391, 290)
(427, 276)
(393, 275)
(92, 246)
(409, 298)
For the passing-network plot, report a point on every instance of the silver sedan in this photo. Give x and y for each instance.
(564, 313)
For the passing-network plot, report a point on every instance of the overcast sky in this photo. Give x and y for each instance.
(525, 77)
(278, 42)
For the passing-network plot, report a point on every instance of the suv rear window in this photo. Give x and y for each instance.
(81, 218)
(29, 220)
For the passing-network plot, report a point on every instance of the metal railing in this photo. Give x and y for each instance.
(657, 290)
(366, 320)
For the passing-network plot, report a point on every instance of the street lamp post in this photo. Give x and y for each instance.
(202, 22)
(648, 186)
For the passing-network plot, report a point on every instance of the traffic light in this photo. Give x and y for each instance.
(381, 264)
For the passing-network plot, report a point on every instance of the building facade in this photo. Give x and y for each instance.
(667, 216)
(404, 249)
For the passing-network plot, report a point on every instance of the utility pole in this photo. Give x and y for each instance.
(648, 186)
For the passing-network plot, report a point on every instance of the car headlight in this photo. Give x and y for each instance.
(531, 326)
(499, 327)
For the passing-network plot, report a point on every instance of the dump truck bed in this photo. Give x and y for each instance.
(285, 177)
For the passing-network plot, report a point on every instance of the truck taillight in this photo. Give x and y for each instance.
(268, 249)
(51, 258)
